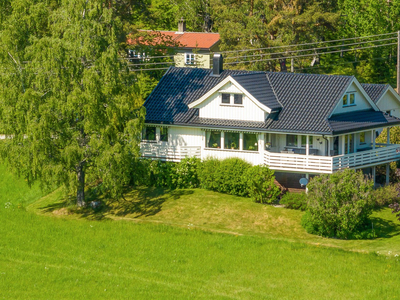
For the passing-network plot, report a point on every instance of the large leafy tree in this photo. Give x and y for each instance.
(68, 105)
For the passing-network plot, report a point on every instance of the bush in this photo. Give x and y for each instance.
(339, 205)
(207, 173)
(140, 172)
(260, 185)
(162, 174)
(295, 201)
(386, 195)
(229, 176)
(185, 173)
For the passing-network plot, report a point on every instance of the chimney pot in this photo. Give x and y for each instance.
(218, 64)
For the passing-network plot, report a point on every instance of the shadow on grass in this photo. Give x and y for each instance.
(140, 202)
(146, 202)
(385, 228)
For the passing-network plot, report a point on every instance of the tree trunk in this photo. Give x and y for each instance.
(80, 194)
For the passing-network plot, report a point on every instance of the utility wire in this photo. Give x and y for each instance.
(312, 54)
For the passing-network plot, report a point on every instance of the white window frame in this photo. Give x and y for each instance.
(348, 95)
(231, 99)
(190, 58)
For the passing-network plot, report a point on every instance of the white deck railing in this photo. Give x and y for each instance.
(163, 152)
(381, 155)
(281, 161)
(298, 162)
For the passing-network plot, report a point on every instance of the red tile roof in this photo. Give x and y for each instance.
(201, 40)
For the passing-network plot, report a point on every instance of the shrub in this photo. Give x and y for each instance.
(386, 195)
(186, 173)
(162, 174)
(260, 185)
(295, 201)
(229, 176)
(207, 173)
(339, 205)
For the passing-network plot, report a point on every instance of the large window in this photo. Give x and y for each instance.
(213, 139)
(231, 140)
(362, 137)
(164, 134)
(250, 141)
(149, 133)
(291, 140)
(304, 141)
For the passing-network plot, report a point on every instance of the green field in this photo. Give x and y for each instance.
(45, 254)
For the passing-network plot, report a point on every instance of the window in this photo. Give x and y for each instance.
(149, 133)
(349, 99)
(250, 142)
(389, 112)
(291, 140)
(226, 98)
(231, 140)
(189, 58)
(362, 138)
(213, 139)
(304, 140)
(238, 99)
(164, 134)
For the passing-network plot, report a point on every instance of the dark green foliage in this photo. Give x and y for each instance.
(162, 174)
(185, 173)
(339, 205)
(259, 181)
(208, 171)
(140, 172)
(229, 176)
(295, 201)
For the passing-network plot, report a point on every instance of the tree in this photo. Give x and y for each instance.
(71, 113)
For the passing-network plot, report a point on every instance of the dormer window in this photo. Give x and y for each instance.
(349, 99)
(235, 99)
(226, 98)
(238, 99)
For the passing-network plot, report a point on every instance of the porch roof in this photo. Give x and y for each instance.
(360, 120)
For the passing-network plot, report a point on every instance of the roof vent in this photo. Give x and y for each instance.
(181, 25)
(218, 62)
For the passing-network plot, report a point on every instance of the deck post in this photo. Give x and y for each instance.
(222, 140)
(308, 177)
(388, 135)
(241, 141)
(387, 173)
(307, 149)
(373, 175)
(373, 138)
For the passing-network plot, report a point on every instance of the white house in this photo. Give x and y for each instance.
(297, 124)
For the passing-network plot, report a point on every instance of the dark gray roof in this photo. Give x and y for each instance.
(375, 91)
(352, 121)
(307, 100)
(168, 103)
(234, 124)
(258, 86)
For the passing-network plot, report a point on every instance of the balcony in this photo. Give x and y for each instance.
(383, 153)
(169, 153)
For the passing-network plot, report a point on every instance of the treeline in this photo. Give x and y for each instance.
(254, 24)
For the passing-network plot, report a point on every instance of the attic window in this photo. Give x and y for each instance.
(349, 99)
(233, 99)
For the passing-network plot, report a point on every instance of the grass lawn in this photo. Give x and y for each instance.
(92, 257)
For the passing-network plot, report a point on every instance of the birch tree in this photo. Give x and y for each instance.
(69, 108)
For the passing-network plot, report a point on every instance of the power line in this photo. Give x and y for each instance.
(312, 49)
(312, 54)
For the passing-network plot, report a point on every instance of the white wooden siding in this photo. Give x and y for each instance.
(212, 108)
(361, 102)
(390, 102)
